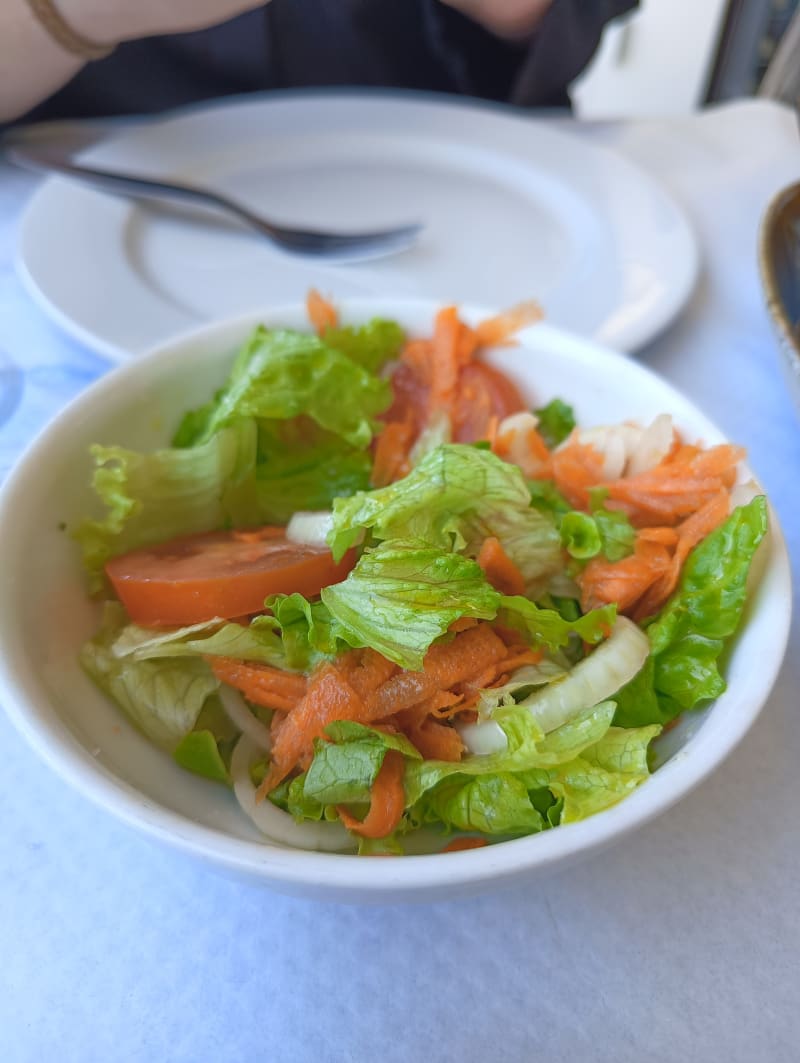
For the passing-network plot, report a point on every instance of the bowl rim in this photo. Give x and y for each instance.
(341, 876)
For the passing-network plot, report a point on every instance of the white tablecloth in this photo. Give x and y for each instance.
(681, 943)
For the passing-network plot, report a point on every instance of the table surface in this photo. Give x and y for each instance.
(681, 942)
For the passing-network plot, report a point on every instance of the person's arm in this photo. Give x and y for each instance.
(505, 18)
(33, 65)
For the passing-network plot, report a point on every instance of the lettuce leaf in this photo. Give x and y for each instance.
(404, 594)
(452, 480)
(537, 782)
(306, 629)
(163, 697)
(199, 753)
(371, 345)
(258, 641)
(548, 628)
(492, 804)
(280, 374)
(692, 630)
(344, 768)
(585, 766)
(151, 498)
(454, 498)
(302, 467)
(556, 421)
(580, 535)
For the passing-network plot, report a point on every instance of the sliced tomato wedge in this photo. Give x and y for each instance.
(483, 393)
(219, 574)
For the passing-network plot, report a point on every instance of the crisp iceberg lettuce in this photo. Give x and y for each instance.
(404, 594)
(456, 497)
(164, 697)
(280, 374)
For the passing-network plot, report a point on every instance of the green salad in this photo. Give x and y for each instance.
(392, 607)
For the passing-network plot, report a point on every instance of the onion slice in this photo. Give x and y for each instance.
(278, 825)
(310, 528)
(238, 713)
(594, 679)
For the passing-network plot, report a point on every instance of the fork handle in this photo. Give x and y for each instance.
(129, 185)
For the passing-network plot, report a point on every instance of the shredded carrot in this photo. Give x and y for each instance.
(365, 670)
(624, 582)
(522, 657)
(441, 378)
(577, 467)
(364, 687)
(270, 687)
(500, 570)
(321, 312)
(457, 845)
(417, 355)
(466, 345)
(391, 460)
(444, 361)
(467, 655)
(498, 330)
(681, 484)
(689, 533)
(387, 801)
(464, 623)
(329, 698)
(530, 452)
(439, 705)
(665, 536)
(641, 583)
(436, 741)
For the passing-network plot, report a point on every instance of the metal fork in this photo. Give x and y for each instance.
(332, 246)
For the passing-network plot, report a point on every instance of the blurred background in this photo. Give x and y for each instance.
(672, 56)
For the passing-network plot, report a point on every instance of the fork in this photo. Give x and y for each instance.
(332, 246)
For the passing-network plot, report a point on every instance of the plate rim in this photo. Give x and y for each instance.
(630, 337)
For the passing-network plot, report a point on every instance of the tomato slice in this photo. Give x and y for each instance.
(219, 574)
(483, 392)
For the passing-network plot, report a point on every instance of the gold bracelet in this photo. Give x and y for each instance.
(51, 19)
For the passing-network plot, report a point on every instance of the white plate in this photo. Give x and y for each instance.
(513, 209)
(45, 615)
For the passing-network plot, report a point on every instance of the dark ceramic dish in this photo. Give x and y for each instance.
(779, 259)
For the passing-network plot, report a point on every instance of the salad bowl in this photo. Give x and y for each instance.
(46, 615)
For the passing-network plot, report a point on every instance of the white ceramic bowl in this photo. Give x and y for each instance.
(45, 616)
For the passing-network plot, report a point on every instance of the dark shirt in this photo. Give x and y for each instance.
(418, 44)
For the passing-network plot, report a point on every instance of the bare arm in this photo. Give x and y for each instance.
(33, 65)
(506, 18)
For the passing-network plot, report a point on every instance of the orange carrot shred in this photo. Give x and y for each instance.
(444, 362)
(391, 460)
(270, 687)
(498, 330)
(457, 845)
(500, 570)
(387, 801)
(436, 741)
(329, 698)
(321, 312)
(689, 533)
